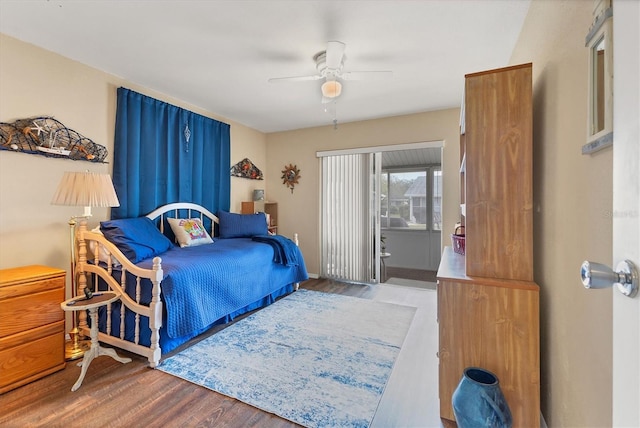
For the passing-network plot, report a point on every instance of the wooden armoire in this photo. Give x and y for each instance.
(488, 304)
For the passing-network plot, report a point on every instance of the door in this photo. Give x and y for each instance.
(626, 208)
(350, 208)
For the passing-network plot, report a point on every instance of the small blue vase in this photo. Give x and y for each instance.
(478, 401)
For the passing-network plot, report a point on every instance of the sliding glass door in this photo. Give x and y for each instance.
(350, 217)
(358, 199)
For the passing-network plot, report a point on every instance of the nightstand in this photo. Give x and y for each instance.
(31, 324)
(92, 305)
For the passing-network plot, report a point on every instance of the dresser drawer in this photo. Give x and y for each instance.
(30, 286)
(38, 352)
(31, 324)
(29, 311)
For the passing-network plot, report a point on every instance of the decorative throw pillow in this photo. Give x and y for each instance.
(189, 232)
(242, 225)
(138, 238)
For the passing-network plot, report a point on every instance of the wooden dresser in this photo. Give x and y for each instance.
(493, 324)
(31, 324)
(488, 304)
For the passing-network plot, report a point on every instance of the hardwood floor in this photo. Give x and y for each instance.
(133, 395)
(415, 274)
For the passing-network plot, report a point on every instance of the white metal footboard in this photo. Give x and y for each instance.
(153, 311)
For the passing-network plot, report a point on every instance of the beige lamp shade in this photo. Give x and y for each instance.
(86, 189)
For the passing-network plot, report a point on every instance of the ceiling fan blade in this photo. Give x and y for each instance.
(335, 52)
(295, 79)
(366, 75)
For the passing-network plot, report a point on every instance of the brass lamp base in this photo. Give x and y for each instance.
(75, 348)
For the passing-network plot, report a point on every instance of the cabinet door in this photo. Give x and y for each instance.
(498, 174)
(495, 327)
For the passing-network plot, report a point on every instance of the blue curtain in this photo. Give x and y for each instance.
(164, 154)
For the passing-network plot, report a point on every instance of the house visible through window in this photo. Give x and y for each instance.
(411, 199)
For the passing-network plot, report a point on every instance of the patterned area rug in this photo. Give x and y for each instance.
(317, 359)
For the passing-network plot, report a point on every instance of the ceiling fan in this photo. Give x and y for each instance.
(330, 64)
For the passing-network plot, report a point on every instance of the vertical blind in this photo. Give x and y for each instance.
(348, 223)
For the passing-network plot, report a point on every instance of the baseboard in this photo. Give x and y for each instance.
(313, 275)
(543, 423)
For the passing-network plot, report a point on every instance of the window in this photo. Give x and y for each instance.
(404, 200)
(411, 199)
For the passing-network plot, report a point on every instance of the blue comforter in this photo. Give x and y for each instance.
(285, 251)
(205, 283)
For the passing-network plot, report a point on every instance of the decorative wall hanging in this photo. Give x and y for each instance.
(49, 137)
(290, 176)
(187, 135)
(246, 169)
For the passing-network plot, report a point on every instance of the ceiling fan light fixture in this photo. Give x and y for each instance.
(331, 89)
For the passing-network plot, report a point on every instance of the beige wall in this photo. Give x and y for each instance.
(37, 82)
(299, 212)
(572, 223)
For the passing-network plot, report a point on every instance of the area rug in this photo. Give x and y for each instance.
(317, 359)
(411, 283)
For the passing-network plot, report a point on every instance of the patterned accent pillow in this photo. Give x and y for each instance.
(189, 232)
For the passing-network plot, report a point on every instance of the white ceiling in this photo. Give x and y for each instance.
(218, 54)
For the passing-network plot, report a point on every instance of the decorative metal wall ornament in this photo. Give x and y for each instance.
(187, 135)
(290, 176)
(246, 169)
(49, 137)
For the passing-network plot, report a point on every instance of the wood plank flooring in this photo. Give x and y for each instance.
(415, 274)
(133, 395)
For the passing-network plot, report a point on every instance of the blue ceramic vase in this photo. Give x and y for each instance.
(478, 401)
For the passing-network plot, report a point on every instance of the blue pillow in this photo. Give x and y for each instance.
(242, 225)
(137, 238)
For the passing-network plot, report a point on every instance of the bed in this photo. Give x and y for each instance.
(173, 287)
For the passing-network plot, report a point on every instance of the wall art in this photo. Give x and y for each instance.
(290, 176)
(246, 169)
(49, 137)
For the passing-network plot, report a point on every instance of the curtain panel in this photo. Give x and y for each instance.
(163, 154)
